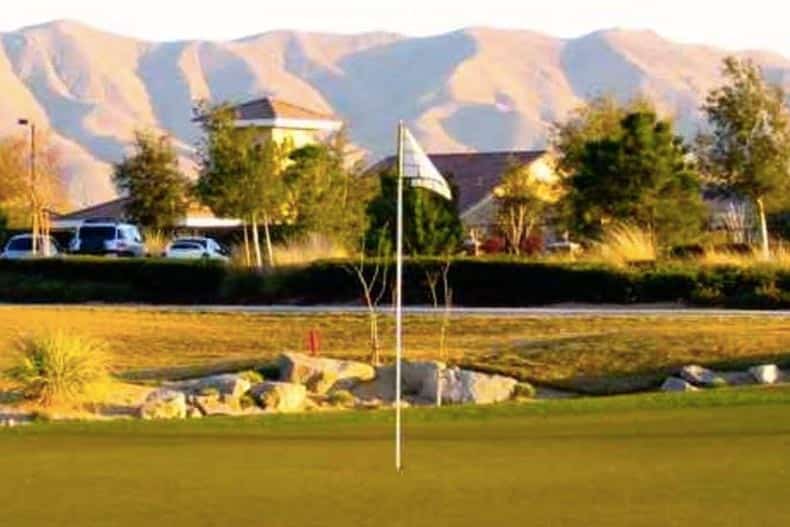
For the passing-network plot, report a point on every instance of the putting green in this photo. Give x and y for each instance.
(713, 459)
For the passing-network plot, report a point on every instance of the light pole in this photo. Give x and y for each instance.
(32, 165)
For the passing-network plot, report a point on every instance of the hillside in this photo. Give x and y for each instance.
(474, 89)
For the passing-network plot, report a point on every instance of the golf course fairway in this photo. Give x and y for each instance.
(720, 458)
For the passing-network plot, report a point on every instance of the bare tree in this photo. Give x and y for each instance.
(373, 279)
(433, 277)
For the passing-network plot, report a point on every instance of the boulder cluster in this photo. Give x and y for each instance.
(693, 378)
(307, 383)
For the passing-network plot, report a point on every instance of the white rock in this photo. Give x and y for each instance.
(464, 387)
(164, 404)
(766, 373)
(281, 396)
(230, 384)
(699, 376)
(676, 384)
(302, 369)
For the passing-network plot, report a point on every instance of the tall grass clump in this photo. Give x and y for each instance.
(625, 244)
(156, 242)
(58, 368)
(311, 248)
(712, 257)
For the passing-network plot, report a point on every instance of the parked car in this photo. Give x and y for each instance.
(107, 237)
(21, 247)
(195, 248)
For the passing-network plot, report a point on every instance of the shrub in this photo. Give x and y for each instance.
(59, 368)
(524, 390)
(247, 401)
(155, 242)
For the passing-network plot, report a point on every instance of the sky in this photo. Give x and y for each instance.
(741, 24)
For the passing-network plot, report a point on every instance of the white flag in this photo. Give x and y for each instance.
(418, 168)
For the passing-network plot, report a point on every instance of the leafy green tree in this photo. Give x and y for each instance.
(749, 147)
(597, 119)
(241, 175)
(326, 194)
(431, 224)
(641, 176)
(157, 189)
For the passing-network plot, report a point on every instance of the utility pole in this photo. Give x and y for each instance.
(34, 205)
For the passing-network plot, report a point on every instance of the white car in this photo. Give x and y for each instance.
(196, 248)
(20, 247)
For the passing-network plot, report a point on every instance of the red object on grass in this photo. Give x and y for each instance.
(314, 343)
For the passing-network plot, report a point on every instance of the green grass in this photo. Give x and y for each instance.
(585, 353)
(711, 459)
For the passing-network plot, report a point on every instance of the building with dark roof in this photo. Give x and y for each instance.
(476, 175)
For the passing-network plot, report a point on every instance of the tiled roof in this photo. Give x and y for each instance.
(269, 108)
(474, 174)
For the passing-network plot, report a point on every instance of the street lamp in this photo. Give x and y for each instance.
(33, 201)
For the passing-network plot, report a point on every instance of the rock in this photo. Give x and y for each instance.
(214, 404)
(422, 378)
(164, 404)
(318, 372)
(280, 396)
(421, 381)
(194, 413)
(766, 373)
(322, 383)
(231, 384)
(700, 376)
(464, 387)
(676, 384)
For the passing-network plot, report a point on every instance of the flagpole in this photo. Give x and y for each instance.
(399, 304)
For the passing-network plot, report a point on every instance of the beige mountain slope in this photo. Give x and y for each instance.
(473, 89)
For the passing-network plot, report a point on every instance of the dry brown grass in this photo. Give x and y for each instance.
(625, 244)
(574, 351)
(309, 249)
(156, 242)
(780, 257)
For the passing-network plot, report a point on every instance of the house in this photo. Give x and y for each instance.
(273, 119)
(476, 175)
(283, 121)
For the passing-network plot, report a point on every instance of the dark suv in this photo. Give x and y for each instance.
(107, 238)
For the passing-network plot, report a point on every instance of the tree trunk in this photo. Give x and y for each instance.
(766, 250)
(256, 243)
(268, 237)
(247, 261)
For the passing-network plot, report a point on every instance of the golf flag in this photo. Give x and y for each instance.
(415, 167)
(419, 170)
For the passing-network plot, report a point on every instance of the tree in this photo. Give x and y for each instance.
(642, 176)
(28, 194)
(241, 175)
(373, 279)
(598, 119)
(325, 193)
(431, 224)
(157, 189)
(522, 200)
(749, 148)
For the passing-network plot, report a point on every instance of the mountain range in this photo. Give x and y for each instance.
(469, 90)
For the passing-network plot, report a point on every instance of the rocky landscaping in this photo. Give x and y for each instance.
(312, 384)
(301, 383)
(692, 378)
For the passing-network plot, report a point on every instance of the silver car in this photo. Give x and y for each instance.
(194, 248)
(20, 247)
(108, 238)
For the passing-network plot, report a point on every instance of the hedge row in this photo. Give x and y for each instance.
(474, 282)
